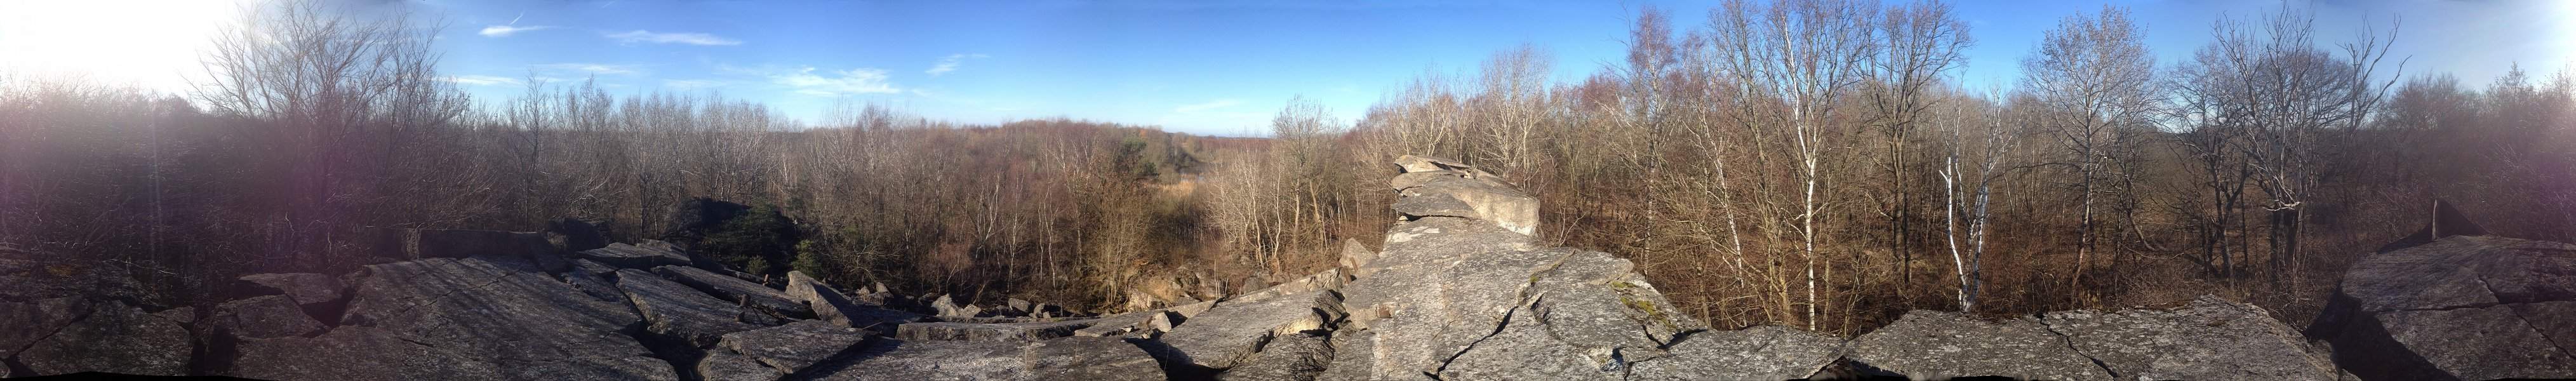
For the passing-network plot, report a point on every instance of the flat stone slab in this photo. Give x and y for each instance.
(774, 302)
(1230, 333)
(646, 255)
(1935, 344)
(264, 317)
(2208, 339)
(34, 320)
(1292, 357)
(792, 347)
(899, 360)
(304, 288)
(114, 338)
(948, 331)
(2458, 307)
(677, 311)
(1759, 353)
(472, 308)
(1092, 358)
(356, 353)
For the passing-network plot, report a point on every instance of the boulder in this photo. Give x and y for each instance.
(760, 298)
(114, 338)
(676, 311)
(1355, 257)
(831, 305)
(1759, 353)
(792, 347)
(1465, 194)
(2456, 308)
(1092, 358)
(1230, 333)
(573, 235)
(952, 331)
(471, 308)
(1934, 344)
(949, 308)
(646, 255)
(264, 317)
(2207, 339)
(358, 353)
(1291, 357)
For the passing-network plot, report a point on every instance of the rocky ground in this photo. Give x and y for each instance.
(1458, 291)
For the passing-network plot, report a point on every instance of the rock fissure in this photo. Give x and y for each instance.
(2069, 341)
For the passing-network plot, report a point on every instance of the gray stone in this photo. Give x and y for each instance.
(677, 311)
(829, 304)
(898, 360)
(725, 365)
(2472, 344)
(1935, 344)
(1465, 195)
(792, 347)
(1230, 333)
(306, 289)
(33, 320)
(760, 298)
(356, 353)
(1353, 352)
(2457, 307)
(1758, 353)
(646, 255)
(1421, 163)
(1115, 325)
(539, 327)
(1291, 357)
(1355, 257)
(2208, 339)
(947, 331)
(114, 338)
(28, 275)
(949, 308)
(264, 317)
(1092, 358)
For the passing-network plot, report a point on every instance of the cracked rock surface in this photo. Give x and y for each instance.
(2456, 308)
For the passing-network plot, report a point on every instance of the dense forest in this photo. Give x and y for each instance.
(1810, 163)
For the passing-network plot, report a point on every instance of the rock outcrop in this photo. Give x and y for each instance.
(1459, 289)
(2459, 307)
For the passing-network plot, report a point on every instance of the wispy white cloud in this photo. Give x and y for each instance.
(480, 80)
(836, 83)
(592, 68)
(691, 84)
(950, 63)
(1209, 105)
(507, 30)
(671, 38)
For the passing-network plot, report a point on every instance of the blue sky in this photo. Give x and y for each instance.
(1207, 68)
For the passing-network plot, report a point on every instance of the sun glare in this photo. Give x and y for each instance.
(149, 44)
